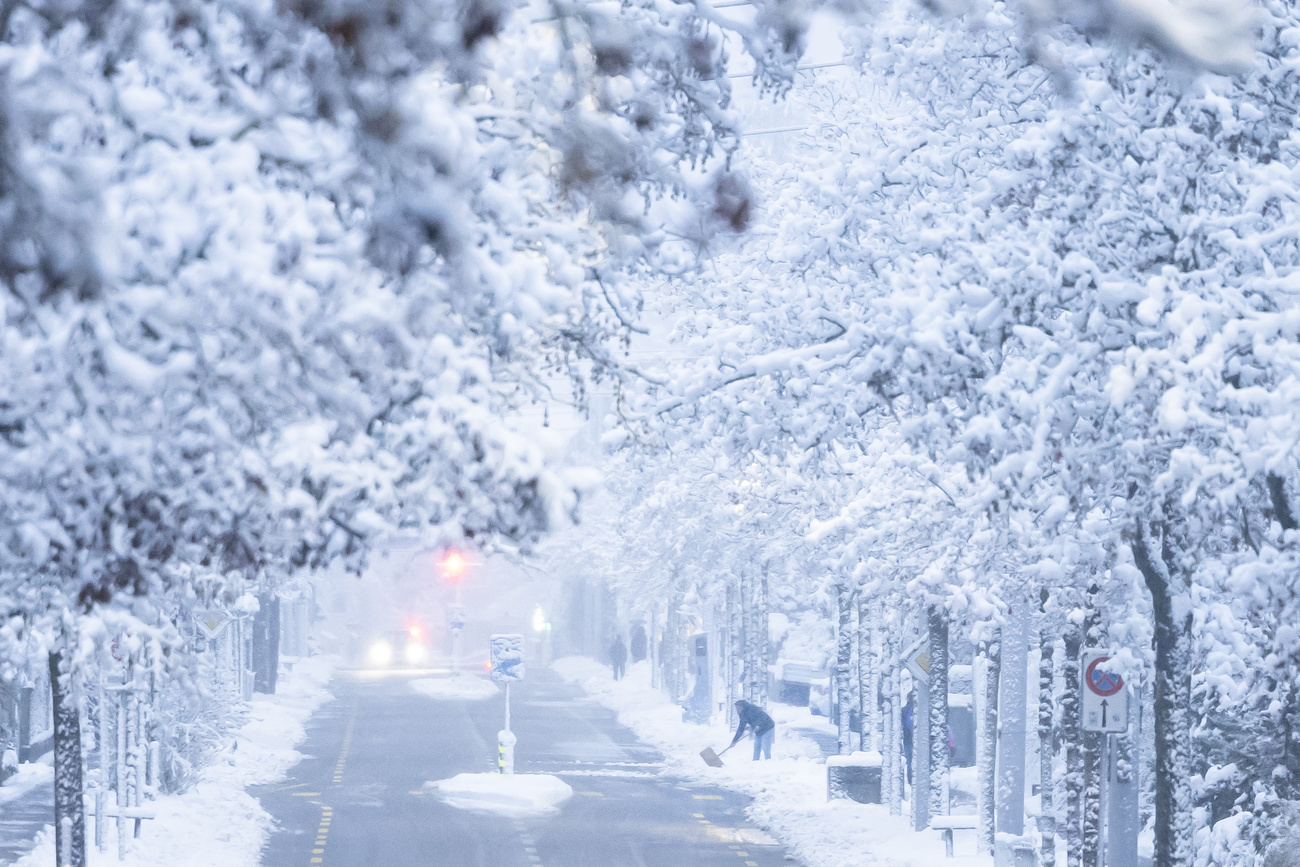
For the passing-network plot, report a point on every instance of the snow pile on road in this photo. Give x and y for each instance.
(216, 823)
(789, 792)
(459, 687)
(514, 795)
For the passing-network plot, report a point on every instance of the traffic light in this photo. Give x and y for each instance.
(452, 566)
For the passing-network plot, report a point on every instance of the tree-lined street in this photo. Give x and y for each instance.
(382, 741)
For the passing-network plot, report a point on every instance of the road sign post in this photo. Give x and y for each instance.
(456, 617)
(1105, 708)
(506, 652)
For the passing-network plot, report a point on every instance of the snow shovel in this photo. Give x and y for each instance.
(712, 759)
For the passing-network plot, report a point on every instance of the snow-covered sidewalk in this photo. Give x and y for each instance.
(217, 823)
(789, 792)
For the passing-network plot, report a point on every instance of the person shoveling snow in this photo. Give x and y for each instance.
(756, 719)
(514, 795)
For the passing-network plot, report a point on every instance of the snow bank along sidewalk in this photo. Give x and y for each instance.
(26, 803)
(216, 823)
(789, 791)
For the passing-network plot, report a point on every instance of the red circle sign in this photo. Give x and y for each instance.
(1102, 682)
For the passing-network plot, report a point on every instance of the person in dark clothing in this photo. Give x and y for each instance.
(756, 719)
(618, 656)
(639, 643)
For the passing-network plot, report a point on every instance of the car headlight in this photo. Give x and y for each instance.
(380, 654)
(415, 653)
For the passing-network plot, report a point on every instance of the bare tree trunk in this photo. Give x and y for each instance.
(735, 648)
(656, 676)
(868, 676)
(1173, 689)
(747, 630)
(1046, 743)
(892, 797)
(843, 660)
(901, 782)
(762, 615)
(1092, 744)
(1072, 734)
(939, 759)
(855, 674)
(986, 758)
(69, 809)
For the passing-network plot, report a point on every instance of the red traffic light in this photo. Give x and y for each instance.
(452, 566)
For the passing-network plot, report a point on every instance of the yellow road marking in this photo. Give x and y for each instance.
(322, 832)
(698, 815)
(306, 794)
(707, 797)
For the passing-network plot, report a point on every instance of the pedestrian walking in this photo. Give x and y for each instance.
(754, 718)
(618, 656)
(639, 643)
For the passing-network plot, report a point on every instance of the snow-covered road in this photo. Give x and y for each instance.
(361, 797)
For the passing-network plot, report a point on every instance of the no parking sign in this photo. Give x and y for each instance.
(1105, 699)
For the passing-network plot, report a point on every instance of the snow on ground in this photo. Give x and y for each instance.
(29, 776)
(789, 792)
(514, 795)
(216, 823)
(458, 687)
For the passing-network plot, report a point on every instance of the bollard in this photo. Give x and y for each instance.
(506, 752)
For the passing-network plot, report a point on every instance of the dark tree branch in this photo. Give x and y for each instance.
(1281, 506)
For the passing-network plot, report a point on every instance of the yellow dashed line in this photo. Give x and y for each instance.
(306, 794)
(347, 745)
(751, 864)
(707, 797)
(322, 833)
(698, 815)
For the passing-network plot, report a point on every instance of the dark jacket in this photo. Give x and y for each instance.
(618, 651)
(753, 717)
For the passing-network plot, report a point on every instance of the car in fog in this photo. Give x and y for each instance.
(398, 648)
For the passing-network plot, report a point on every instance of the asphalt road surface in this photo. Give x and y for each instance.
(358, 799)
